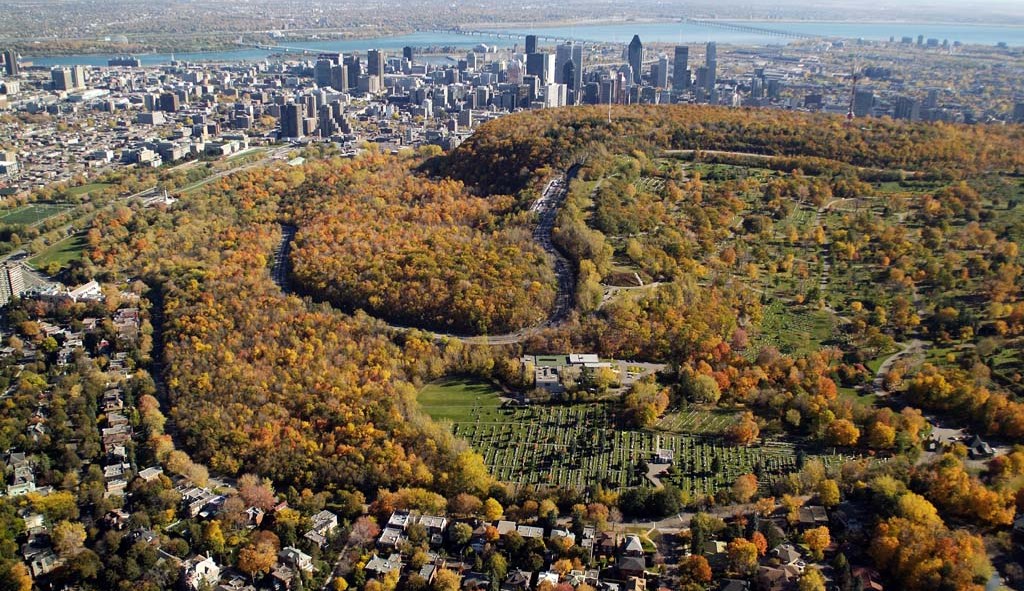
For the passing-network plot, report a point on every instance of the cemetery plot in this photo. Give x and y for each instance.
(583, 444)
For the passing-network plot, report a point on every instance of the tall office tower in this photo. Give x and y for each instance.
(11, 63)
(661, 80)
(907, 108)
(375, 64)
(77, 77)
(355, 70)
(564, 53)
(540, 65)
(681, 73)
(322, 72)
(61, 79)
(407, 53)
(863, 102)
(636, 57)
(531, 44)
(711, 62)
(1018, 112)
(339, 77)
(291, 120)
(471, 60)
(569, 75)
(514, 72)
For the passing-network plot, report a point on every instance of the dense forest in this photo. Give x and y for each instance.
(415, 251)
(317, 391)
(503, 155)
(260, 380)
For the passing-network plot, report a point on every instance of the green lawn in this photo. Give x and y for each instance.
(459, 399)
(32, 214)
(61, 252)
(88, 188)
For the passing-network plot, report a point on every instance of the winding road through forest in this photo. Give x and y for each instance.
(546, 207)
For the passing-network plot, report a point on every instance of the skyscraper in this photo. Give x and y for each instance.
(407, 53)
(291, 120)
(355, 70)
(322, 72)
(636, 57)
(375, 64)
(563, 54)
(863, 102)
(77, 77)
(11, 63)
(531, 44)
(661, 79)
(339, 77)
(711, 63)
(681, 73)
(61, 78)
(907, 108)
(541, 65)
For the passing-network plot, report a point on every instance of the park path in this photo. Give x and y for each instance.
(911, 347)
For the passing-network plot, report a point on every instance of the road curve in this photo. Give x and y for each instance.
(546, 207)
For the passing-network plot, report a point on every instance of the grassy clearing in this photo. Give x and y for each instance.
(88, 188)
(61, 252)
(460, 400)
(33, 214)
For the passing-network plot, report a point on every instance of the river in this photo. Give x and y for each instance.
(679, 32)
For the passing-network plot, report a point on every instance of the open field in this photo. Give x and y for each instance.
(62, 252)
(459, 400)
(33, 214)
(88, 188)
(582, 444)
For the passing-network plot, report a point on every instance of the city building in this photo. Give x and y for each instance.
(61, 78)
(375, 64)
(863, 102)
(11, 66)
(291, 121)
(541, 65)
(636, 58)
(659, 77)
(12, 282)
(711, 63)
(681, 69)
(907, 108)
(531, 44)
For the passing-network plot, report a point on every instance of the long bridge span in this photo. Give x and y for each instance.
(708, 23)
